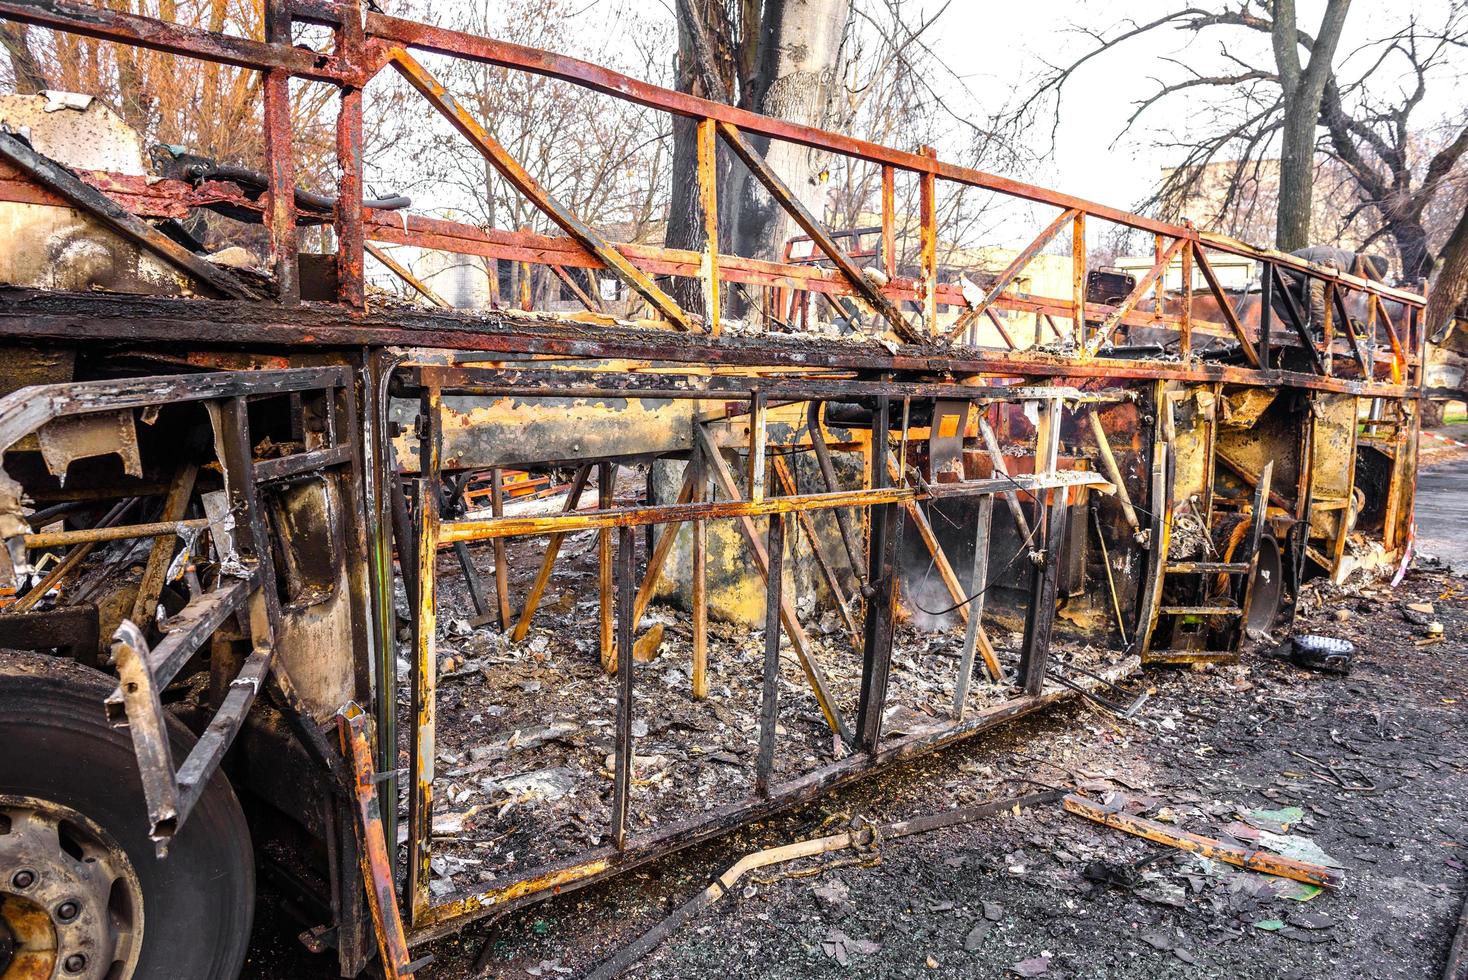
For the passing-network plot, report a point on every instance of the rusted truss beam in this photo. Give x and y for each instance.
(812, 226)
(108, 24)
(520, 178)
(1113, 319)
(1023, 259)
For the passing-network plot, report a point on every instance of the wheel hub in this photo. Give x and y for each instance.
(71, 905)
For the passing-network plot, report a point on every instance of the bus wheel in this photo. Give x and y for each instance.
(82, 893)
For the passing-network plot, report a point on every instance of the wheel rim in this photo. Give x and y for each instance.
(71, 905)
(1267, 586)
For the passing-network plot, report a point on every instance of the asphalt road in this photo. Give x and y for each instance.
(1442, 513)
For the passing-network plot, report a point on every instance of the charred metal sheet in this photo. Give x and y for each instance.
(85, 436)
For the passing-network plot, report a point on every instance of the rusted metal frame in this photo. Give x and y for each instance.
(552, 550)
(402, 272)
(517, 176)
(699, 561)
(599, 863)
(107, 24)
(54, 177)
(1232, 318)
(72, 317)
(812, 226)
(423, 751)
(606, 478)
(296, 464)
(427, 37)
(708, 199)
(501, 561)
(798, 639)
(1296, 317)
(977, 586)
(376, 864)
(148, 727)
(280, 166)
(1113, 319)
(471, 380)
(928, 243)
(1185, 331)
(818, 550)
(1021, 261)
(883, 536)
(770, 688)
(622, 753)
(1077, 278)
(741, 507)
(1160, 286)
(347, 220)
(175, 505)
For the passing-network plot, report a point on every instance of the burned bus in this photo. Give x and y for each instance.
(437, 612)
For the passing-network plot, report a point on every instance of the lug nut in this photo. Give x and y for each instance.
(23, 879)
(67, 911)
(75, 963)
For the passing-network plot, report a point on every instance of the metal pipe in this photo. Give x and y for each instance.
(98, 535)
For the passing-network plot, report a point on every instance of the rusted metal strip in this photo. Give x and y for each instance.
(818, 550)
(708, 199)
(1040, 619)
(623, 754)
(884, 534)
(606, 477)
(280, 165)
(353, 727)
(518, 177)
(812, 226)
(1313, 874)
(978, 584)
(1022, 260)
(699, 586)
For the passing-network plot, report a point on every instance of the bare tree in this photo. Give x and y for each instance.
(1250, 110)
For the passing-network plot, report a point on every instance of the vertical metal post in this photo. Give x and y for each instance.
(501, 571)
(757, 415)
(770, 697)
(928, 230)
(889, 221)
(978, 582)
(280, 162)
(881, 574)
(425, 647)
(622, 768)
(1041, 617)
(350, 275)
(1078, 280)
(606, 474)
(700, 579)
(708, 196)
(1185, 330)
(1266, 312)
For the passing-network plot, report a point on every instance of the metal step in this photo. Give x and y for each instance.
(1200, 610)
(1190, 657)
(1191, 567)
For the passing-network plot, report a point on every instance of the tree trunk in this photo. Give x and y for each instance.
(1450, 285)
(799, 55)
(1302, 89)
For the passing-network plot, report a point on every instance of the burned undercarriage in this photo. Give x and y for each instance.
(285, 540)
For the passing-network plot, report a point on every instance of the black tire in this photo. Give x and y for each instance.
(199, 901)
